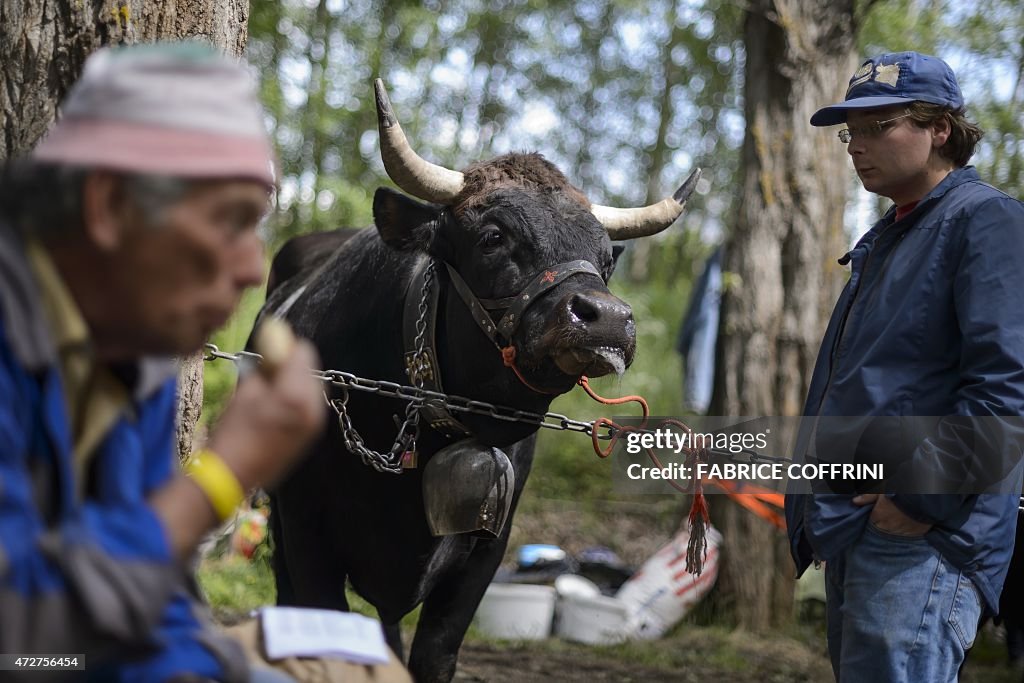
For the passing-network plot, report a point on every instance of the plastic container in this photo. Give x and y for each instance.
(516, 611)
(595, 620)
(533, 553)
(575, 586)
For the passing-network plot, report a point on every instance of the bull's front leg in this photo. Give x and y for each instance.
(449, 609)
(393, 636)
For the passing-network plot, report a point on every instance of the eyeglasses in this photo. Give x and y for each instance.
(870, 130)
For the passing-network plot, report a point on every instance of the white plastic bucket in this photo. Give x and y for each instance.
(516, 611)
(595, 620)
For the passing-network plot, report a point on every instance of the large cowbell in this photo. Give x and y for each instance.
(467, 488)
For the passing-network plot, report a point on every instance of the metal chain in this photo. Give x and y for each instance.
(409, 431)
(417, 396)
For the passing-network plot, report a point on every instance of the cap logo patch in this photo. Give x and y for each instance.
(862, 75)
(888, 74)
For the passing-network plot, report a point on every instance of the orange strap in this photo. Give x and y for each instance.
(756, 499)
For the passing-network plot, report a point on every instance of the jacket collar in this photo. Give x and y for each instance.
(956, 177)
(21, 306)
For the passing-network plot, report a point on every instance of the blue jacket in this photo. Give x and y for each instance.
(931, 323)
(92, 576)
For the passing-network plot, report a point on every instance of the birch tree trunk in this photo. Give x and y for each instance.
(43, 44)
(780, 259)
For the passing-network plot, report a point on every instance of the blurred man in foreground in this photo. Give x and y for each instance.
(127, 238)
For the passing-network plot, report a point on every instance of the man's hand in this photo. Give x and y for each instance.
(889, 518)
(271, 418)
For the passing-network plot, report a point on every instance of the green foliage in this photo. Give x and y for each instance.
(235, 586)
(624, 96)
(983, 42)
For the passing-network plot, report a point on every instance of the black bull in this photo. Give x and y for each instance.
(335, 518)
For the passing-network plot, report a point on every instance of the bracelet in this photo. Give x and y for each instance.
(217, 481)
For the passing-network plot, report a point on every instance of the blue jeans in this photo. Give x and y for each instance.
(898, 612)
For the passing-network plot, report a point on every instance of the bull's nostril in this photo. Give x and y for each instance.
(584, 308)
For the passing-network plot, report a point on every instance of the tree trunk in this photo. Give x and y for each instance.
(781, 258)
(43, 44)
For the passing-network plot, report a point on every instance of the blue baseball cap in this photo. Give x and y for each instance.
(895, 78)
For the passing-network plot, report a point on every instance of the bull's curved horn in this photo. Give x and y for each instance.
(409, 170)
(627, 224)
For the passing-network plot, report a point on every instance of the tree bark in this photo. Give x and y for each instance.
(43, 44)
(780, 258)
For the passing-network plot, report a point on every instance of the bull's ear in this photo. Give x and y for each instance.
(404, 223)
(617, 250)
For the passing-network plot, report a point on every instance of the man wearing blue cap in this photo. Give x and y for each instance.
(930, 324)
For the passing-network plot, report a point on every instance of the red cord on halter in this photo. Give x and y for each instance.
(508, 357)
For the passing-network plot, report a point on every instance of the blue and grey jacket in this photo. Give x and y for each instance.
(93, 576)
(931, 323)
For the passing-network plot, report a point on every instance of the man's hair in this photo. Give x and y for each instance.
(45, 200)
(963, 135)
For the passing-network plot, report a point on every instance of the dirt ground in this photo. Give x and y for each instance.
(698, 657)
(490, 664)
(711, 657)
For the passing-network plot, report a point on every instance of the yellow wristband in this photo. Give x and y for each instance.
(217, 481)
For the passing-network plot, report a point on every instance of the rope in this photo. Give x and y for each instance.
(699, 517)
(754, 498)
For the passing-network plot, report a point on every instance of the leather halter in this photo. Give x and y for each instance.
(427, 369)
(514, 305)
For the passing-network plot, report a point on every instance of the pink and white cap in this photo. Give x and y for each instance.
(177, 109)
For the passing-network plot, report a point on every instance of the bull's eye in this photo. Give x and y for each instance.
(491, 238)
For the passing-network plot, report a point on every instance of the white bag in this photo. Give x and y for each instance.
(661, 592)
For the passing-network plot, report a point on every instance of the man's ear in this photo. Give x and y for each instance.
(941, 130)
(103, 210)
(404, 223)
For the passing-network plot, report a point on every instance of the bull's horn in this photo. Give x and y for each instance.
(409, 170)
(627, 224)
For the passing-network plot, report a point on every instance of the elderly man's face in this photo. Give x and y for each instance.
(182, 278)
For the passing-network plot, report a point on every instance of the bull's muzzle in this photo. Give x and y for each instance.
(602, 333)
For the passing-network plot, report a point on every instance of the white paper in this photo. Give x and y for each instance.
(301, 632)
